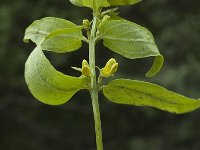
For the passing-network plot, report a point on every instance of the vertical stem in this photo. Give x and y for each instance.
(94, 90)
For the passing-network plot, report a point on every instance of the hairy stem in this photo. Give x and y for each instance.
(94, 90)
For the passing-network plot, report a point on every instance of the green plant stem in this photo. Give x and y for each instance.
(94, 89)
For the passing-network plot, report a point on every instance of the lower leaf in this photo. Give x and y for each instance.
(46, 83)
(139, 93)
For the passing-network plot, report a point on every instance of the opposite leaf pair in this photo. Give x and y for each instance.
(60, 36)
(121, 36)
(54, 88)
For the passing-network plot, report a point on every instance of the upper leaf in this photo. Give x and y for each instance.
(95, 4)
(63, 40)
(130, 40)
(47, 84)
(103, 3)
(77, 2)
(123, 2)
(141, 93)
(40, 29)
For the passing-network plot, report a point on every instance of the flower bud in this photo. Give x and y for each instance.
(86, 23)
(110, 68)
(86, 68)
(105, 18)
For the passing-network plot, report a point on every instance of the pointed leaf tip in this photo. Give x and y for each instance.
(156, 67)
(139, 93)
(128, 39)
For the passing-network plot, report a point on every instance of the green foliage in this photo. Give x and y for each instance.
(103, 3)
(56, 32)
(141, 93)
(47, 84)
(123, 2)
(128, 39)
(157, 65)
(131, 41)
(56, 40)
(95, 4)
(119, 35)
(77, 2)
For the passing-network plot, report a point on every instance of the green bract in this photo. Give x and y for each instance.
(141, 93)
(131, 41)
(47, 84)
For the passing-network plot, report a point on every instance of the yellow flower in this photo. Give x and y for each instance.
(110, 68)
(86, 69)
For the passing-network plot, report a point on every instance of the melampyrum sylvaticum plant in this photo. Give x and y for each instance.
(119, 35)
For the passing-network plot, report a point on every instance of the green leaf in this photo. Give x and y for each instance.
(63, 40)
(77, 2)
(103, 3)
(157, 65)
(131, 41)
(116, 17)
(123, 2)
(141, 93)
(47, 84)
(95, 4)
(40, 29)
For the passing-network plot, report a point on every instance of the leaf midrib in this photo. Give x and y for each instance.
(46, 34)
(150, 95)
(127, 39)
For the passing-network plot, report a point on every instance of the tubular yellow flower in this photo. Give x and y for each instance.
(86, 68)
(110, 68)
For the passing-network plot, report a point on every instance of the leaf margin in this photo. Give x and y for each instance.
(194, 103)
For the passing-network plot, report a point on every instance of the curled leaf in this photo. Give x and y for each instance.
(46, 83)
(157, 65)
